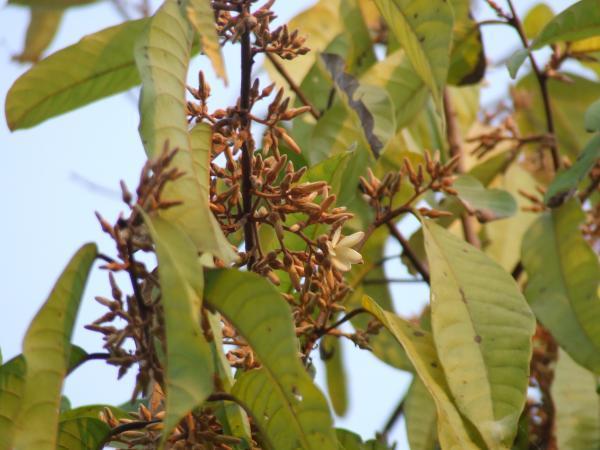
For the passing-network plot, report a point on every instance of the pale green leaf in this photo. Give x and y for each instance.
(162, 56)
(98, 66)
(424, 30)
(565, 184)
(420, 414)
(467, 59)
(189, 373)
(482, 328)
(361, 55)
(579, 21)
(51, 3)
(201, 16)
(405, 88)
(575, 397)
(515, 62)
(43, 25)
(286, 405)
(562, 289)
(569, 101)
(82, 433)
(349, 440)
(536, 19)
(420, 348)
(592, 117)
(331, 354)
(46, 350)
(487, 204)
(12, 383)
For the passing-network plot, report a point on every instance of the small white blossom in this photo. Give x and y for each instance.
(341, 251)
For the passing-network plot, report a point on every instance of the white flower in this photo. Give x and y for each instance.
(341, 251)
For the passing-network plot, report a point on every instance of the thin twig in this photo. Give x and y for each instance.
(89, 357)
(393, 419)
(346, 318)
(246, 81)
(393, 280)
(455, 147)
(542, 78)
(409, 252)
(293, 86)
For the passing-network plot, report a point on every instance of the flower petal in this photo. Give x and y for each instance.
(340, 265)
(336, 236)
(348, 255)
(352, 240)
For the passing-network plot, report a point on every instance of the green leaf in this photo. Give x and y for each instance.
(98, 66)
(349, 440)
(424, 30)
(43, 25)
(51, 3)
(592, 117)
(12, 383)
(421, 423)
(331, 354)
(289, 409)
(163, 65)
(563, 274)
(83, 433)
(482, 328)
(420, 348)
(467, 59)
(189, 374)
(579, 21)
(565, 184)
(488, 204)
(569, 101)
(577, 404)
(201, 16)
(371, 105)
(536, 19)
(46, 350)
(406, 89)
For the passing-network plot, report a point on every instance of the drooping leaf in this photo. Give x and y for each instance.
(515, 62)
(99, 65)
(467, 59)
(12, 383)
(349, 440)
(83, 433)
(569, 102)
(201, 16)
(488, 204)
(536, 19)
(406, 89)
(46, 350)
(592, 117)
(371, 105)
(420, 348)
(43, 25)
(482, 328)
(574, 393)
(579, 21)
(189, 373)
(331, 354)
(163, 65)
(420, 414)
(361, 54)
(286, 405)
(565, 184)
(424, 30)
(562, 289)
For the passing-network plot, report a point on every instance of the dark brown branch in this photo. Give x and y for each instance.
(293, 86)
(593, 186)
(542, 79)
(346, 318)
(246, 81)
(408, 251)
(455, 147)
(89, 357)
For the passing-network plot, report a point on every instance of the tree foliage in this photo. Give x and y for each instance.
(269, 224)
